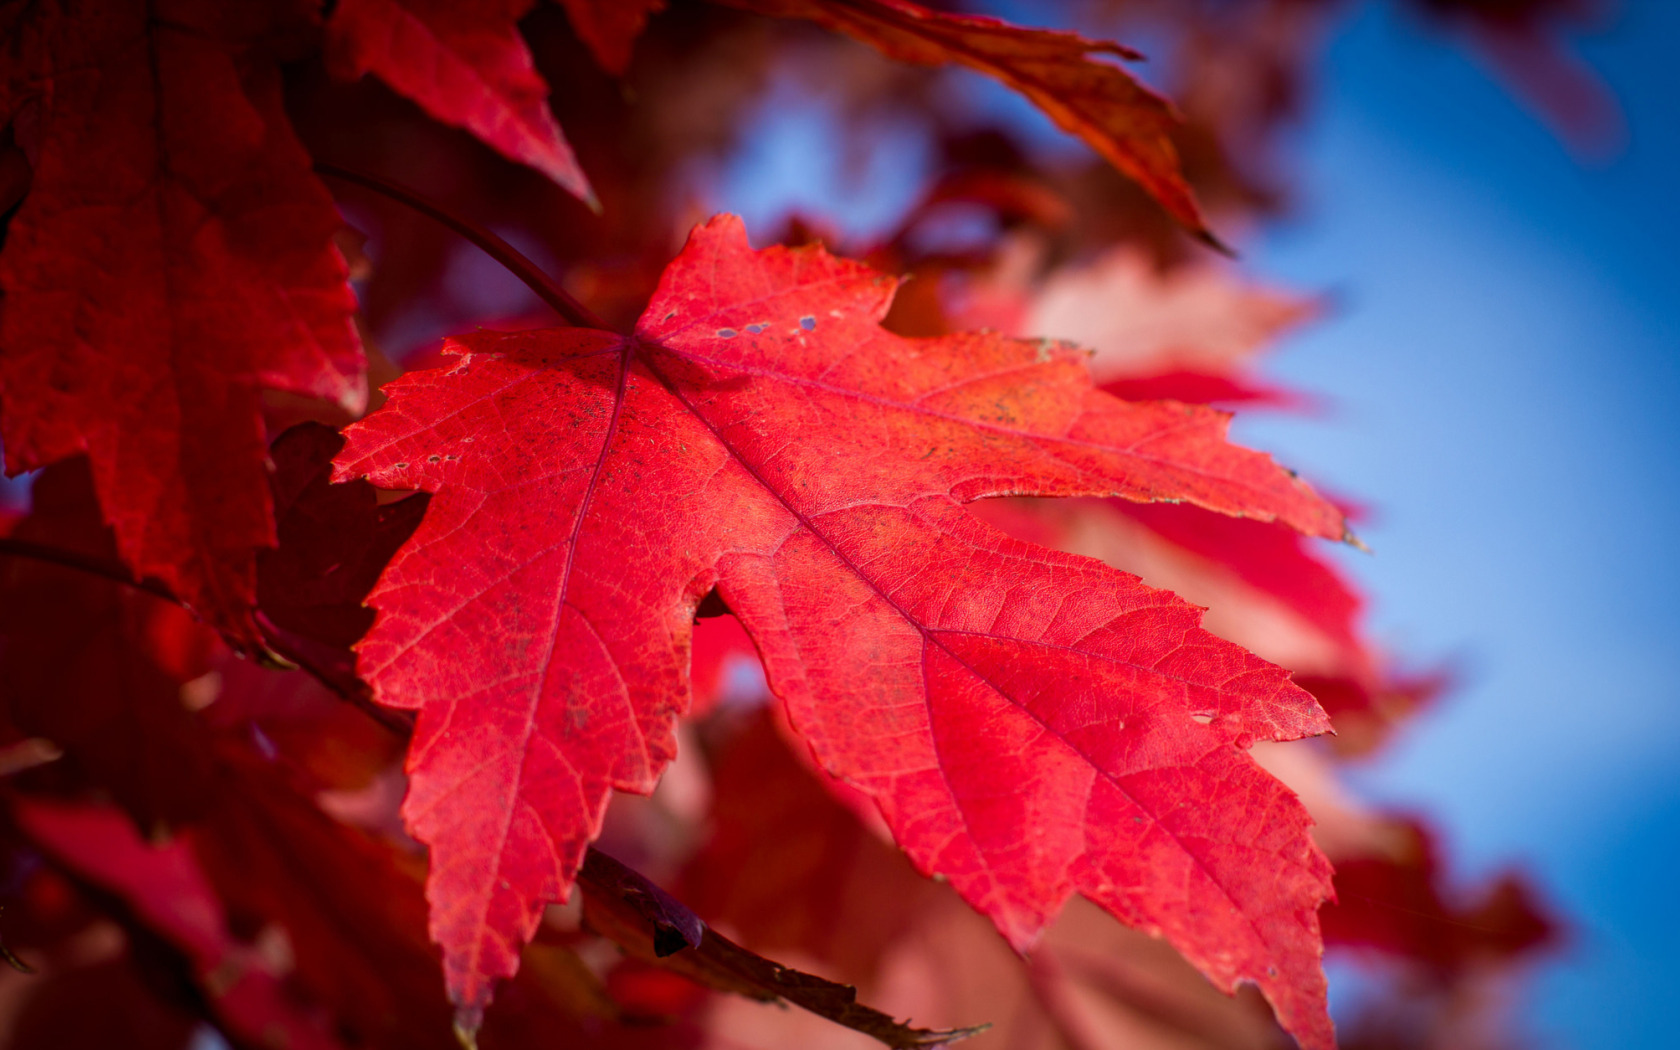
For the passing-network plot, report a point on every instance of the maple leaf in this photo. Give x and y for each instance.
(466, 65)
(172, 259)
(352, 909)
(1125, 122)
(1030, 724)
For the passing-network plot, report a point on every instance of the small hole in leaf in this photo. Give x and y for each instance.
(727, 333)
(808, 323)
(711, 605)
(755, 328)
(1201, 717)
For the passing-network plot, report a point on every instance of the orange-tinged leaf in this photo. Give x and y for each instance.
(1031, 724)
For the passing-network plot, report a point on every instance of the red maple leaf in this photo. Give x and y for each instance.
(1030, 724)
(1129, 125)
(466, 65)
(173, 258)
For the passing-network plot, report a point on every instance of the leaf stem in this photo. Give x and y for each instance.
(512, 259)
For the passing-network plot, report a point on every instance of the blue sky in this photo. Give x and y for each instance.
(1506, 368)
(1504, 364)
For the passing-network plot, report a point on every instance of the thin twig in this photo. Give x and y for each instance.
(516, 262)
(110, 570)
(279, 650)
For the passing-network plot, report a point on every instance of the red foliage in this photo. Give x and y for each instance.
(762, 435)
(935, 712)
(148, 348)
(466, 65)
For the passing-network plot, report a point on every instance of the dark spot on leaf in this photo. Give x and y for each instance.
(808, 323)
(434, 458)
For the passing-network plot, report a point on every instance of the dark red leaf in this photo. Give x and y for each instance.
(172, 260)
(98, 668)
(334, 542)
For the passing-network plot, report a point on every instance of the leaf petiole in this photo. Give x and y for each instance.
(512, 259)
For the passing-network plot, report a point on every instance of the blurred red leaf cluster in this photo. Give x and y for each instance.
(698, 639)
